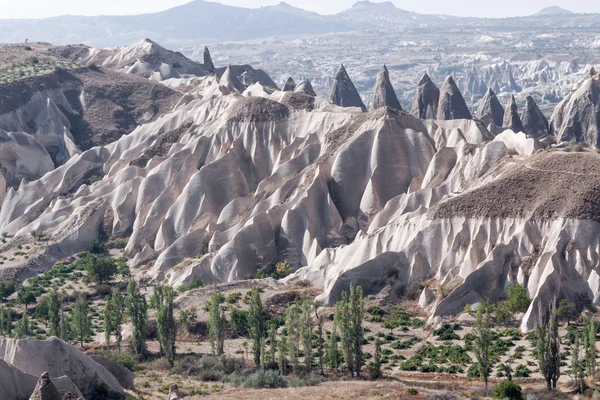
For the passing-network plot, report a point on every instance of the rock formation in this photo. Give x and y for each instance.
(490, 105)
(230, 82)
(383, 92)
(577, 117)
(175, 393)
(123, 375)
(289, 86)
(207, 60)
(535, 123)
(343, 92)
(512, 120)
(427, 97)
(452, 104)
(305, 87)
(45, 389)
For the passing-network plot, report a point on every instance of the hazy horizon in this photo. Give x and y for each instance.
(467, 8)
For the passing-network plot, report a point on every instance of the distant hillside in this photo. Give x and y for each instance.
(554, 10)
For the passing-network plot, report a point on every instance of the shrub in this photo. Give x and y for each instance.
(522, 372)
(96, 247)
(121, 244)
(197, 283)
(233, 298)
(518, 300)
(446, 332)
(507, 390)
(207, 368)
(123, 359)
(269, 379)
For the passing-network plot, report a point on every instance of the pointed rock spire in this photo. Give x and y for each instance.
(452, 104)
(425, 104)
(207, 60)
(383, 92)
(512, 120)
(509, 80)
(45, 389)
(343, 91)
(289, 86)
(230, 81)
(305, 87)
(490, 105)
(535, 123)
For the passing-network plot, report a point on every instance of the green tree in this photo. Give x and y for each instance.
(7, 289)
(504, 312)
(483, 343)
(54, 313)
(272, 341)
(256, 323)
(282, 355)
(109, 327)
(565, 310)
(23, 328)
(217, 324)
(292, 327)
(162, 299)
(188, 318)
(283, 269)
(548, 346)
(42, 310)
(321, 341)
(26, 296)
(377, 357)
(65, 326)
(507, 390)
(137, 308)
(100, 269)
(118, 308)
(80, 319)
(576, 367)
(357, 306)
(333, 353)
(306, 332)
(590, 346)
(239, 321)
(5, 322)
(518, 299)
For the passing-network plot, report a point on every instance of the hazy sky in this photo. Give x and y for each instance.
(481, 8)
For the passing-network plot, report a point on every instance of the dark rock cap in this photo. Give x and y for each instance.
(535, 123)
(207, 60)
(512, 120)
(289, 86)
(45, 389)
(230, 81)
(491, 105)
(343, 91)
(427, 96)
(383, 92)
(305, 87)
(452, 105)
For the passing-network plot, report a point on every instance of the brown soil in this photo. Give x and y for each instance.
(299, 101)
(258, 109)
(551, 185)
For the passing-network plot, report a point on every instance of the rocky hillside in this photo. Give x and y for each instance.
(237, 176)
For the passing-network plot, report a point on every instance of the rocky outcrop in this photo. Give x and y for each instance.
(535, 123)
(343, 92)
(230, 82)
(577, 117)
(257, 75)
(207, 61)
(289, 85)
(512, 120)
(45, 389)
(383, 92)
(57, 358)
(175, 393)
(452, 104)
(123, 375)
(490, 105)
(427, 97)
(305, 87)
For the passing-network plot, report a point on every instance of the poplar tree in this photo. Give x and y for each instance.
(80, 319)
(548, 346)
(5, 322)
(282, 355)
(23, 327)
(292, 316)
(65, 331)
(108, 321)
(590, 346)
(377, 357)
(321, 342)
(137, 308)
(162, 299)
(333, 356)
(576, 366)
(118, 307)
(216, 324)
(256, 323)
(357, 306)
(483, 343)
(342, 321)
(306, 331)
(54, 314)
(272, 341)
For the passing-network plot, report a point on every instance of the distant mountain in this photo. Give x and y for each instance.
(554, 10)
(201, 22)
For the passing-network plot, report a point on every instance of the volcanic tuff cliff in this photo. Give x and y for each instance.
(239, 175)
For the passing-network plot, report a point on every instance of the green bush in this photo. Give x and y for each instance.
(96, 247)
(507, 390)
(522, 372)
(123, 359)
(446, 332)
(269, 379)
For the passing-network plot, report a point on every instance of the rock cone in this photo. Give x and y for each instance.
(452, 104)
(535, 123)
(231, 82)
(343, 91)
(425, 104)
(512, 120)
(383, 92)
(45, 389)
(207, 60)
(306, 88)
(490, 105)
(289, 86)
